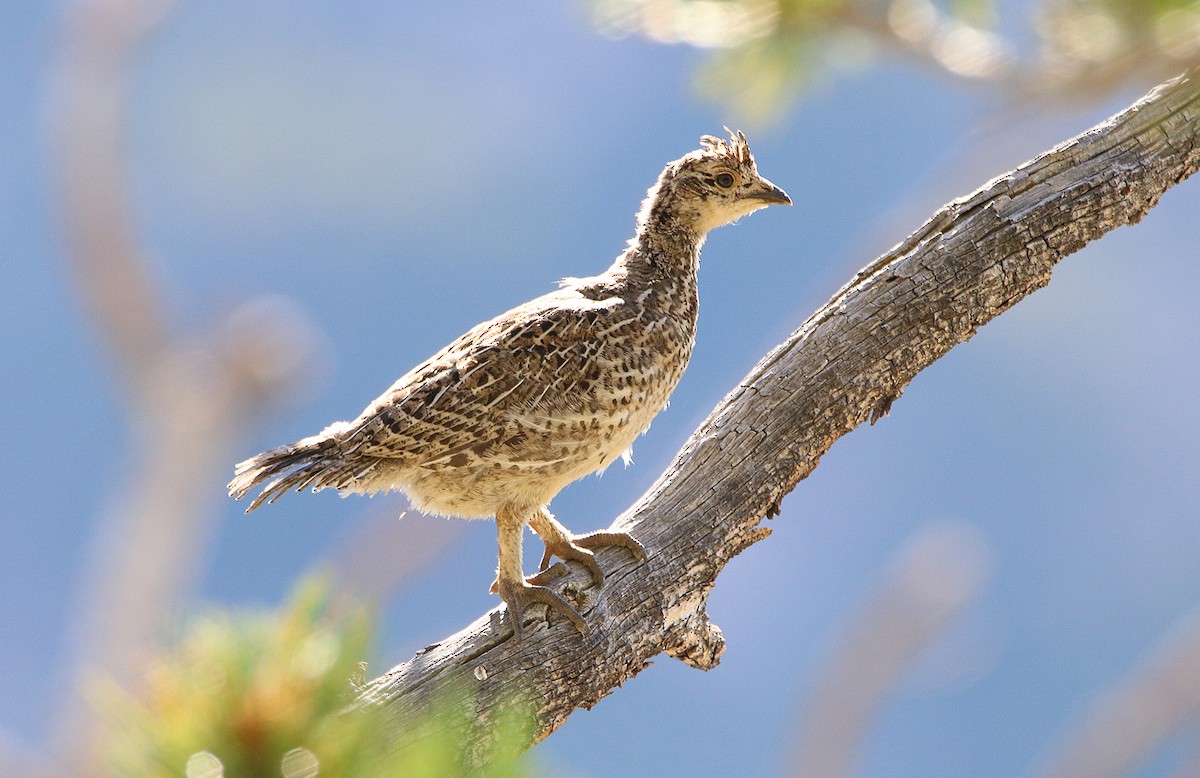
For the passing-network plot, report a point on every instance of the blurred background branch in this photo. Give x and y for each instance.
(111, 273)
(188, 396)
(933, 577)
(1129, 724)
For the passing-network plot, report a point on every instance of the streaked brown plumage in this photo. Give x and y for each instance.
(499, 421)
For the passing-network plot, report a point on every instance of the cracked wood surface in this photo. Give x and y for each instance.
(970, 262)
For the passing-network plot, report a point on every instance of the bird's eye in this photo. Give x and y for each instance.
(724, 180)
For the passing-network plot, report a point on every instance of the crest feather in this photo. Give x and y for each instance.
(736, 147)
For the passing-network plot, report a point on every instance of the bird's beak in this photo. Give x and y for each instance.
(770, 194)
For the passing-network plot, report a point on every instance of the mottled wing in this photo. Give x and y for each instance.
(487, 393)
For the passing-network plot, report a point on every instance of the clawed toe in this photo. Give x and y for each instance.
(516, 596)
(556, 570)
(569, 551)
(595, 540)
(579, 548)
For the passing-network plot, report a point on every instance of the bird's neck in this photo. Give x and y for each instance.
(666, 244)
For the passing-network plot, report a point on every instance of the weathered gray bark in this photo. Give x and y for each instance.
(972, 261)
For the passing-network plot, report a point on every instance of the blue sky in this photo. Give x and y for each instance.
(402, 173)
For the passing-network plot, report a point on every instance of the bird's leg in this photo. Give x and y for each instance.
(541, 578)
(511, 585)
(561, 543)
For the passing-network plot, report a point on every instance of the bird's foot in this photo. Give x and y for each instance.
(580, 548)
(517, 594)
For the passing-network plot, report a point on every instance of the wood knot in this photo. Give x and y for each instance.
(696, 641)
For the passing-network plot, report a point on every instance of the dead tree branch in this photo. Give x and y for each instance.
(974, 259)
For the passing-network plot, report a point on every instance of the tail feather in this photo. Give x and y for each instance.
(313, 461)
